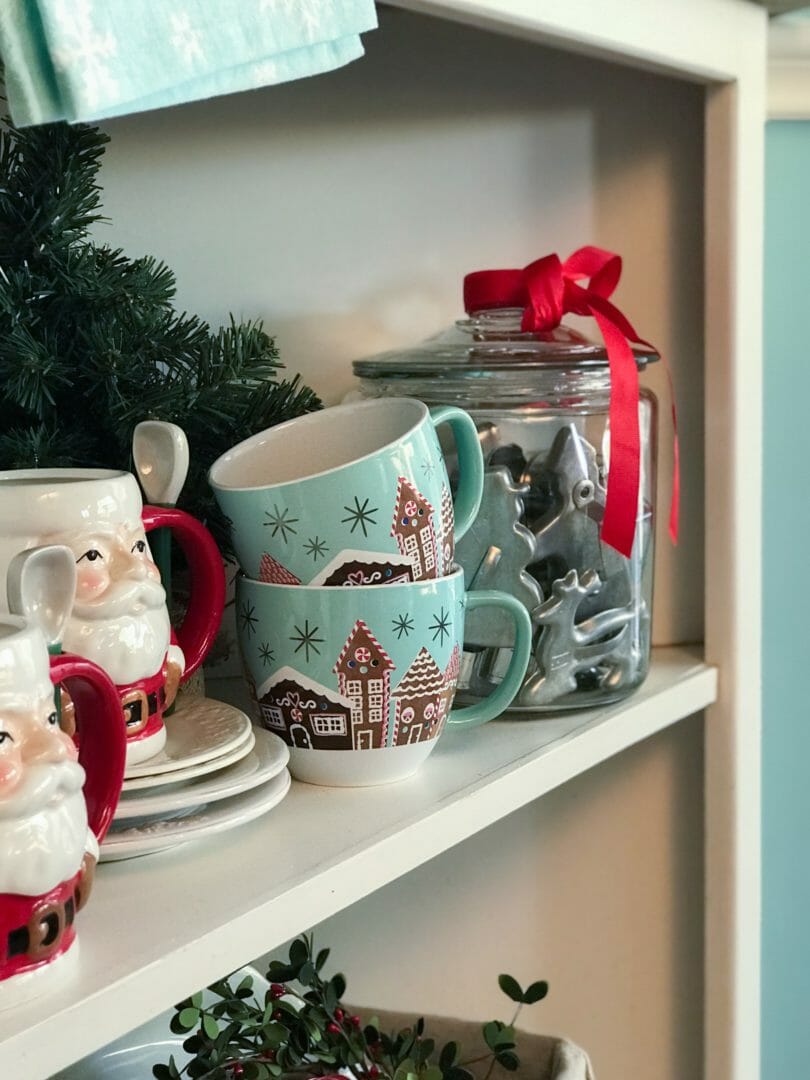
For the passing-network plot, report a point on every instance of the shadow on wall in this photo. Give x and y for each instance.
(345, 210)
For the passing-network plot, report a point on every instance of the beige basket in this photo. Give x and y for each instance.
(542, 1057)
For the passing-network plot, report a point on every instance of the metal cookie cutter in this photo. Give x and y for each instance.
(494, 553)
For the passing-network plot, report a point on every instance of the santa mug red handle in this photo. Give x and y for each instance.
(102, 739)
(196, 633)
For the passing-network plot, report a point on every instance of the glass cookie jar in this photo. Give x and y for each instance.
(540, 401)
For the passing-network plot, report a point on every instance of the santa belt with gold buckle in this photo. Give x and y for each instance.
(139, 707)
(44, 932)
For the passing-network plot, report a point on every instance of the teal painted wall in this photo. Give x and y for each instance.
(786, 585)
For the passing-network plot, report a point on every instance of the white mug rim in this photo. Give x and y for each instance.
(261, 438)
(66, 475)
(457, 573)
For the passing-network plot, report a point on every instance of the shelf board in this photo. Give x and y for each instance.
(160, 927)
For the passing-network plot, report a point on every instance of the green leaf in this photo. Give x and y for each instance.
(508, 1060)
(339, 983)
(299, 952)
(504, 1038)
(536, 992)
(433, 1073)
(161, 1072)
(210, 1026)
(448, 1056)
(274, 1035)
(405, 1070)
(323, 956)
(184, 1021)
(457, 1073)
(245, 987)
(491, 1031)
(511, 987)
(306, 975)
(282, 973)
(424, 1048)
(196, 1000)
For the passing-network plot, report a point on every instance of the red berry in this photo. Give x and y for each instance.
(373, 1072)
(333, 1029)
(277, 991)
(355, 1021)
(238, 1069)
(277, 1015)
(339, 1014)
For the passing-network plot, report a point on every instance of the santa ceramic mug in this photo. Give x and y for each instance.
(119, 618)
(360, 682)
(356, 494)
(50, 828)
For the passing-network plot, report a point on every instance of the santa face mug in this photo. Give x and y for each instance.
(357, 494)
(49, 828)
(119, 618)
(359, 682)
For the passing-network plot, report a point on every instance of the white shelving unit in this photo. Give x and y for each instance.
(268, 885)
(161, 927)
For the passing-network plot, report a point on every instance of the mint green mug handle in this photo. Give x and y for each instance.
(470, 464)
(503, 695)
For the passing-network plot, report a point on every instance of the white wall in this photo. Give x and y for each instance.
(345, 210)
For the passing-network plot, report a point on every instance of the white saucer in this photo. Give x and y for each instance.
(267, 758)
(132, 1056)
(200, 729)
(181, 776)
(156, 835)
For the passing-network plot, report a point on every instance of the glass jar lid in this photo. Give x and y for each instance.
(492, 341)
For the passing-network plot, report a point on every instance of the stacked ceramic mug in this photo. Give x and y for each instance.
(350, 608)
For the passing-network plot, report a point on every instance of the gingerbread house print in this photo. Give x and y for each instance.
(421, 701)
(276, 573)
(304, 713)
(350, 567)
(413, 530)
(452, 670)
(364, 677)
(448, 531)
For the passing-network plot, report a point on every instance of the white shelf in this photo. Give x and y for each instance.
(159, 927)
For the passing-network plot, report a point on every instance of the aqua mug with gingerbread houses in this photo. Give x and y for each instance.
(360, 682)
(357, 494)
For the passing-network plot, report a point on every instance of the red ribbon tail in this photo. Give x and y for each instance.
(675, 501)
(621, 504)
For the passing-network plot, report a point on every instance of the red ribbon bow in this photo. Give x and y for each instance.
(546, 289)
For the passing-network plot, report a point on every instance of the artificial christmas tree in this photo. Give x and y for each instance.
(90, 343)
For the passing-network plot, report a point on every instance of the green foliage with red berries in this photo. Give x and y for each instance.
(305, 1030)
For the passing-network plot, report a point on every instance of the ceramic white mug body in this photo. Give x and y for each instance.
(360, 682)
(357, 494)
(119, 618)
(56, 803)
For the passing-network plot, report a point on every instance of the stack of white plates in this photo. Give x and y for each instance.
(215, 771)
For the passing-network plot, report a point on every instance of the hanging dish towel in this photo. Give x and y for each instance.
(87, 59)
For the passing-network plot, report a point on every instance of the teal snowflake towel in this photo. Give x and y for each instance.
(87, 59)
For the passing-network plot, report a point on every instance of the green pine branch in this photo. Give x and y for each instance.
(90, 343)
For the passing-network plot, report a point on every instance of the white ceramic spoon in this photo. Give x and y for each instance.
(41, 586)
(160, 453)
